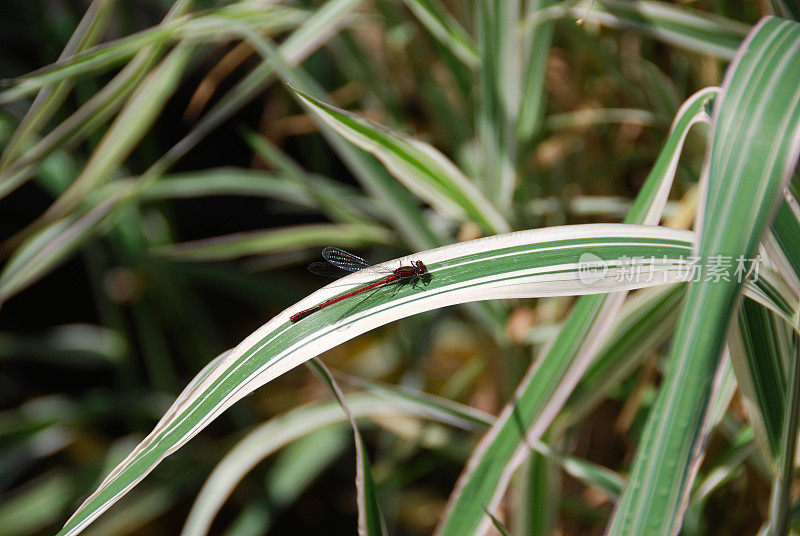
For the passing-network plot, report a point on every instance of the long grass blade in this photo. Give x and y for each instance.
(499, 102)
(548, 383)
(216, 23)
(781, 489)
(370, 519)
(536, 50)
(49, 99)
(136, 118)
(433, 15)
(92, 115)
(761, 370)
(420, 167)
(528, 263)
(290, 427)
(676, 25)
(275, 240)
(753, 150)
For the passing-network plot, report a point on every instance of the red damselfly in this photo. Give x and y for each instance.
(352, 263)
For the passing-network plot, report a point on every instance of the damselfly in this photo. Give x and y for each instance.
(353, 263)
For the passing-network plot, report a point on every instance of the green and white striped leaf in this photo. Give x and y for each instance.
(310, 35)
(753, 152)
(498, 104)
(676, 25)
(285, 429)
(206, 26)
(536, 49)
(93, 114)
(758, 352)
(542, 495)
(772, 291)
(378, 402)
(780, 507)
(47, 248)
(275, 240)
(434, 16)
(398, 204)
(646, 322)
(786, 237)
(342, 203)
(133, 122)
(548, 383)
(313, 33)
(370, 518)
(421, 168)
(542, 262)
(49, 99)
(238, 182)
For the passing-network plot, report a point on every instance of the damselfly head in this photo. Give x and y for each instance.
(419, 267)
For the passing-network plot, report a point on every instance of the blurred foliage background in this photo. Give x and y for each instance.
(94, 349)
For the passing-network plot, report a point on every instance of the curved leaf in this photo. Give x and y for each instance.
(549, 381)
(542, 262)
(754, 150)
(421, 168)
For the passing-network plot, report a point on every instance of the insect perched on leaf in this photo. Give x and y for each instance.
(338, 258)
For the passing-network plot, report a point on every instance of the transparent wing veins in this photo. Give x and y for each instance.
(344, 260)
